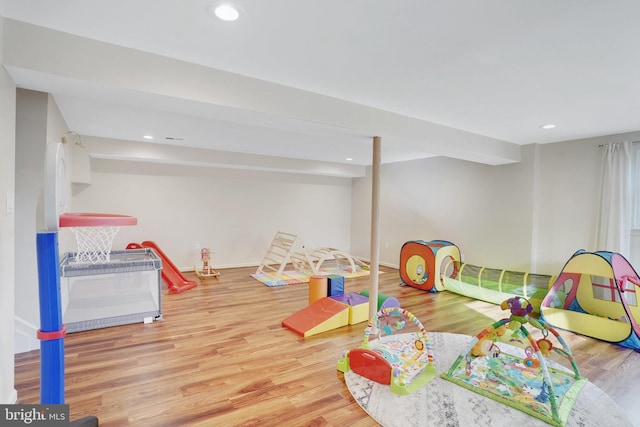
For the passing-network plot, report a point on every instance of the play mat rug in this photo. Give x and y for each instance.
(443, 403)
(294, 277)
(395, 350)
(505, 377)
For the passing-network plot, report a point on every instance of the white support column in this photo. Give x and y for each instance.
(375, 226)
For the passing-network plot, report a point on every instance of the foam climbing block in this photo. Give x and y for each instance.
(335, 285)
(358, 306)
(389, 302)
(382, 298)
(323, 315)
(317, 288)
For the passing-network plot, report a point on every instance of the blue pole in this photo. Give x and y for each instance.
(51, 333)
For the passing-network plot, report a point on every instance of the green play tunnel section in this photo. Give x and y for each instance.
(495, 285)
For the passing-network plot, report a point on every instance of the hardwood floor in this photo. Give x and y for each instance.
(220, 357)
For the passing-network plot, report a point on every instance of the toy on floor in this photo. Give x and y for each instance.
(286, 249)
(504, 362)
(384, 301)
(206, 271)
(436, 265)
(171, 275)
(329, 308)
(422, 263)
(404, 361)
(596, 294)
(495, 285)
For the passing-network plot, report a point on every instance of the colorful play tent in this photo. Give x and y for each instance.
(422, 263)
(596, 294)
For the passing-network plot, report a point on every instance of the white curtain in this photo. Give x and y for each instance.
(635, 185)
(614, 225)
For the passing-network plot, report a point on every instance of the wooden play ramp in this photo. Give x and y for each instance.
(286, 248)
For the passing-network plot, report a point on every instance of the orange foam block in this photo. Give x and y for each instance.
(323, 315)
(317, 288)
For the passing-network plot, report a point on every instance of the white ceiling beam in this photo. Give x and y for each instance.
(57, 53)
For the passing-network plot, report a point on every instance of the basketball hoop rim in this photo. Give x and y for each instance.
(95, 220)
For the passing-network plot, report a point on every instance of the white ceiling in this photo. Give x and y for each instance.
(496, 69)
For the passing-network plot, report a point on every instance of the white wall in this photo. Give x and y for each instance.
(570, 176)
(7, 233)
(485, 210)
(234, 212)
(531, 216)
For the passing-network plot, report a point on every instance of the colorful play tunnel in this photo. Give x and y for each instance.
(422, 263)
(495, 285)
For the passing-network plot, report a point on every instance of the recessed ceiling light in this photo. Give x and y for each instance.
(148, 137)
(548, 126)
(349, 159)
(226, 12)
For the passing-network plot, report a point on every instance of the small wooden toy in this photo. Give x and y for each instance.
(206, 271)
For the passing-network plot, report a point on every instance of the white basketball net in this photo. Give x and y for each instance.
(94, 243)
